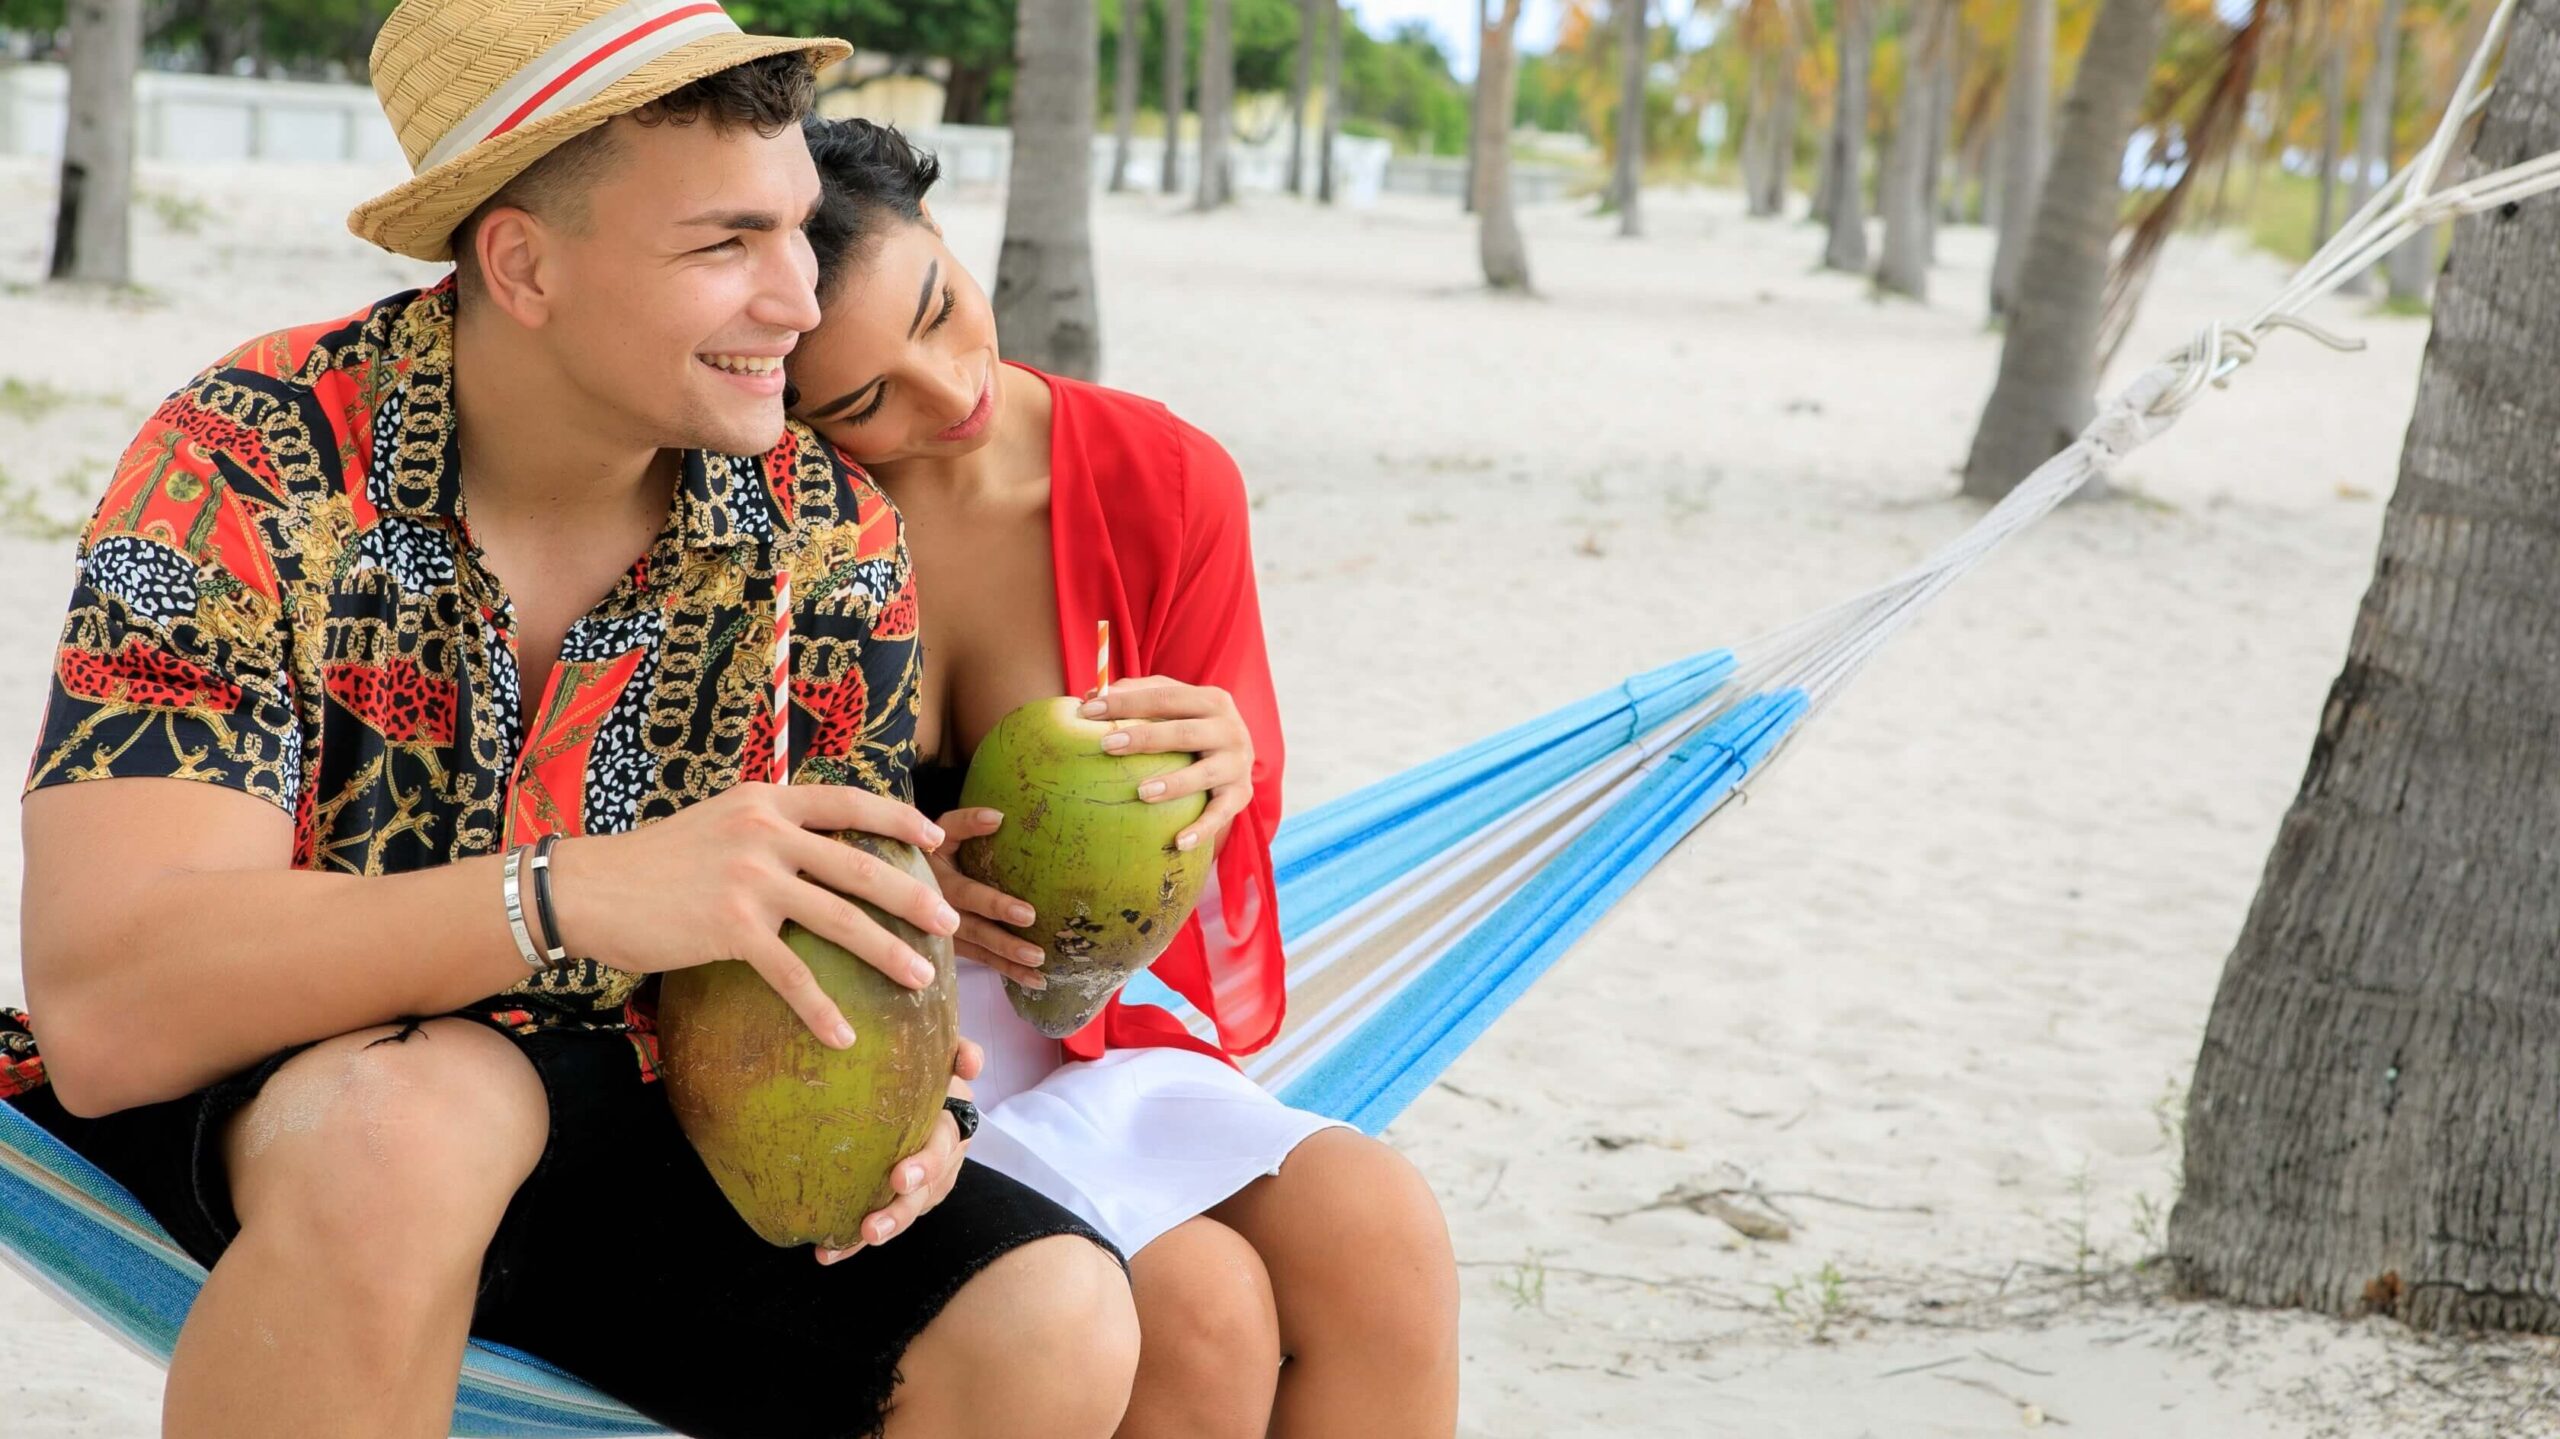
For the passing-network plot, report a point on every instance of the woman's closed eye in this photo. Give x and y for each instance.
(880, 393)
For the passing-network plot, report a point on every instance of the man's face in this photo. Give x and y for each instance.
(677, 300)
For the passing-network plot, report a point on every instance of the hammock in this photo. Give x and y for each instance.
(1416, 910)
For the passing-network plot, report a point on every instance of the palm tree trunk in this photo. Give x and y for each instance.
(1845, 247)
(2049, 360)
(1332, 99)
(1044, 301)
(1301, 78)
(1499, 247)
(2025, 139)
(1937, 187)
(2373, 123)
(1124, 88)
(2333, 127)
(2410, 270)
(1475, 136)
(1174, 79)
(2373, 1125)
(1628, 183)
(1905, 268)
(91, 236)
(1217, 105)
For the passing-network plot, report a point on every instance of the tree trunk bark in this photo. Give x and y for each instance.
(2373, 123)
(1938, 185)
(1124, 89)
(1499, 246)
(1332, 99)
(2025, 145)
(1475, 136)
(1217, 105)
(1175, 81)
(1768, 196)
(2410, 270)
(91, 234)
(1905, 267)
(2049, 360)
(2375, 1119)
(1845, 248)
(2333, 129)
(1044, 300)
(1301, 78)
(1629, 183)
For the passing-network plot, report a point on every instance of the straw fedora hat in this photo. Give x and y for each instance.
(479, 89)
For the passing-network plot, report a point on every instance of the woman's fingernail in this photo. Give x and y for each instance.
(1151, 789)
(1021, 914)
(922, 973)
(1187, 842)
(991, 816)
(950, 917)
(1115, 741)
(1093, 709)
(1034, 982)
(1030, 954)
(933, 836)
(844, 1035)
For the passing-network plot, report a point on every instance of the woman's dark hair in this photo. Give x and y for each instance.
(867, 174)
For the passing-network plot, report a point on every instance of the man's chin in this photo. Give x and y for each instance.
(735, 429)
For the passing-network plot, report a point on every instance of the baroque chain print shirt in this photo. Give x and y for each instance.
(280, 594)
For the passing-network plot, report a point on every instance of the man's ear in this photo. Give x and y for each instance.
(513, 250)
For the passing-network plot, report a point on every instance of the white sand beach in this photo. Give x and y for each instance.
(1933, 994)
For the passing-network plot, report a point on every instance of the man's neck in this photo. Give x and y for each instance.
(533, 446)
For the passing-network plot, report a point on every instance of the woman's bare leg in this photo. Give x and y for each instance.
(1208, 1337)
(1367, 1290)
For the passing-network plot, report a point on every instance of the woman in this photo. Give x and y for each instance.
(1035, 507)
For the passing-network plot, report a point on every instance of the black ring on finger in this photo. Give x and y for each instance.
(963, 1114)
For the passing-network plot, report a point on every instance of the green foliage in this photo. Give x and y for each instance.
(1403, 84)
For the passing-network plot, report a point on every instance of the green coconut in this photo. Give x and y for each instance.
(1097, 865)
(802, 1137)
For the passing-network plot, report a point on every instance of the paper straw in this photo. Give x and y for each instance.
(1101, 657)
(782, 675)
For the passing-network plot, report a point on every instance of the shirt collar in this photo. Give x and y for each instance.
(720, 500)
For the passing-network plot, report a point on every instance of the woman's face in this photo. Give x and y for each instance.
(903, 363)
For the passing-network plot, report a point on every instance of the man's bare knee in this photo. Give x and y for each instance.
(1052, 1309)
(418, 1135)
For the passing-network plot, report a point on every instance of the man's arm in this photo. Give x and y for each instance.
(168, 942)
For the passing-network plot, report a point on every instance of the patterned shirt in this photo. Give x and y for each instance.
(280, 594)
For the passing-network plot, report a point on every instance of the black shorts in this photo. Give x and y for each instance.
(620, 1260)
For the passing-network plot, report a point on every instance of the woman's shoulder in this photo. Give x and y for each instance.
(1134, 448)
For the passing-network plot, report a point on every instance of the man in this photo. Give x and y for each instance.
(415, 706)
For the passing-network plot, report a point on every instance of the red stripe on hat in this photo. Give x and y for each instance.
(602, 53)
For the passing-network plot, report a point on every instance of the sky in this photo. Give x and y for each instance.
(1455, 22)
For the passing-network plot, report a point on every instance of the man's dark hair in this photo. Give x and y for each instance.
(766, 94)
(867, 174)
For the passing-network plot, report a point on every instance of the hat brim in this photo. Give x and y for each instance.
(418, 218)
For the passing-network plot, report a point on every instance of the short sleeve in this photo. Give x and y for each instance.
(854, 681)
(172, 657)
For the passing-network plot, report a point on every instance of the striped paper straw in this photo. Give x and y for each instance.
(1101, 657)
(782, 675)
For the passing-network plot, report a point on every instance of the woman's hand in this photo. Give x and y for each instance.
(1171, 716)
(925, 1179)
(717, 880)
(984, 909)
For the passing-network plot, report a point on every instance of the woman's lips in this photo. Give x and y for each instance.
(968, 429)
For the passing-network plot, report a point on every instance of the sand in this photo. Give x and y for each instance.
(1934, 994)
